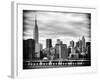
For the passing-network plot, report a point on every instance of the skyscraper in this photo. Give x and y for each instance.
(48, 43)
(36, 34)
(88, 48)
(83, 44)
(61, 50)
(64, 52)
(28, 49)
(36, 38)
(73, 54)
(72, 43)
(80, 45)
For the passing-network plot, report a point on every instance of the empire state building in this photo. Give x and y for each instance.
(35, 32)
(38, 46)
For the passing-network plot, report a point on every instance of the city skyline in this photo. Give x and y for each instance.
(54, 25)
(72, 46)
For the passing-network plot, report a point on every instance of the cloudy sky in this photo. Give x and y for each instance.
(56, 25)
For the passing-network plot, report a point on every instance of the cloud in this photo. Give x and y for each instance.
(55, 25)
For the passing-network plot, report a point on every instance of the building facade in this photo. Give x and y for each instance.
(48, 43)
(28, 49)
(72, 43)
(61, 50)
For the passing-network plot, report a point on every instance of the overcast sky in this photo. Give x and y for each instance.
(57, 25)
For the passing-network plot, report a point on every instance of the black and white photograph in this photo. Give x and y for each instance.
(55, 39)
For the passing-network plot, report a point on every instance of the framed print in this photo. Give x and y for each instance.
(51, 39)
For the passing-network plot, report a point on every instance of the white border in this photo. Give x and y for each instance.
(17, 66)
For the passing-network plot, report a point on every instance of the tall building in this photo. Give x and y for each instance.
(52, 53)
(64, 52)
(77, 47)
(83, 44)
(69, 51)
(36, 34)
(73, 54)
(77, 44)
(58, 49)
(28, 49)
(88, 49)
(73, 50)
(38, 46)
(46, 52)
(48, 43)
(80, 46)
(72, 43)
(88, 44)
(61, 50)
(48, 47)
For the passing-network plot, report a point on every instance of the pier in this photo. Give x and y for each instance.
(55, 63)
